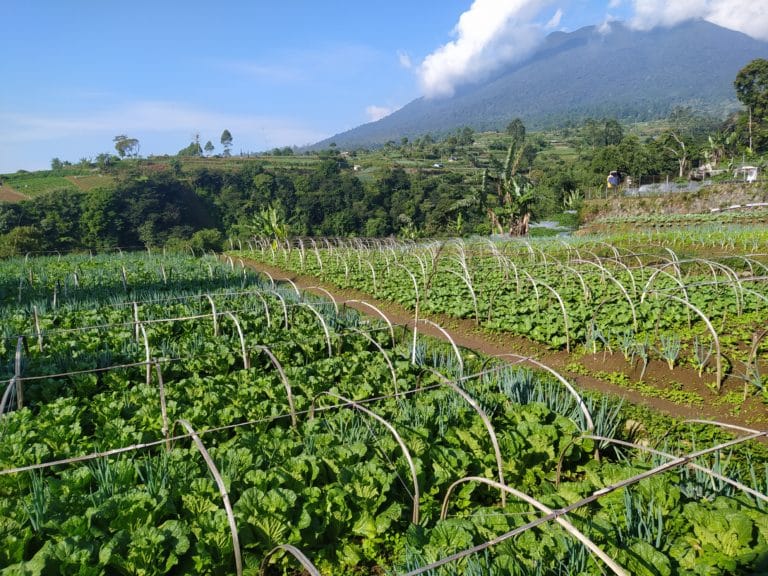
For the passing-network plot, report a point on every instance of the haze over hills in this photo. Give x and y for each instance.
(612, 71)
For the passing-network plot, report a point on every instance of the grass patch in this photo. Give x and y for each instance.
(33, 185)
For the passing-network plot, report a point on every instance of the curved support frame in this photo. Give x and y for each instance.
(571, 389)
(416, 313)
(215, 316)
(620, 286)
(323, 324)
(752, 492)
(671, 465)
(15, 384)
(222, 490)
(488, 426)
(372, 340)
(567, 526)
(326, 294)
(283, 377)
(296, 553)
(380, 313)
(715, 339)
(565, 315)
(395, 435)
(147, 353)
(464, 277)
(243, 350)
(283, 304)
(449, 338)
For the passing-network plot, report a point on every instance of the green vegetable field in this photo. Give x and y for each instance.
(166, 414)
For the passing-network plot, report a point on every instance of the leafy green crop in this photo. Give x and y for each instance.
(97, 474)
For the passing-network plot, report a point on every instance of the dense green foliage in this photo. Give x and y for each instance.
(462, 183)
(392, 191)
(295, 463)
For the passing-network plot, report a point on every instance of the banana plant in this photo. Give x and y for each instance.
(512, 193)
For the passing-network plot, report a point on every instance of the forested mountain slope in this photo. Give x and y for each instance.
(614, 72)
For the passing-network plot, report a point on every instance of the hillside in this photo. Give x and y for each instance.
(622, 73)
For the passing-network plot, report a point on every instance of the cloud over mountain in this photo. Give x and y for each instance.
(493, 34)
(489, 35)
(747, 16)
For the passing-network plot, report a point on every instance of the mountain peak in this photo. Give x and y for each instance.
(596, 71)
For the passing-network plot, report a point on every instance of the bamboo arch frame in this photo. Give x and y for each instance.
(392, 430)
(715, 339)
(708, 471)
(323, 324)
(284, 306)
(222, 490)
(327, 294)
(293, 551)
(416, 312)
(283, 378)
(677, 462)
(570, 528)
(447, 337)
(380, 313)
(488, 426)
(378, 346)
(15, 384)
(243, 350)
(621, 287)
(579, 400)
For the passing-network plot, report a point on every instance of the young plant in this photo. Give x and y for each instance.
(642, 349)
(701, 354)
(670, 349)
(627, 345)
(595, 335)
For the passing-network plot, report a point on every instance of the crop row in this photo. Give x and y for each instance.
(247, 428)
(747, 215)
(706, 313)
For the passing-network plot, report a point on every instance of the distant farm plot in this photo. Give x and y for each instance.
(87, 183)
(23, 186)
(32, 185)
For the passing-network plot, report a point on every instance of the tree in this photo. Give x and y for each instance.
(56, 164)
(752, 90)
(752, 86)
(208, 147)
(226, 141)
(513, 190)
(613, 132)
(516, 129)
(193, 149)
(676, 146)
(126, 146)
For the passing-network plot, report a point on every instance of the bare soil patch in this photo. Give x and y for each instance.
(8, 194)
(680, 393)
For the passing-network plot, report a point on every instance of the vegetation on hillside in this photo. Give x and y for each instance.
(465, 183)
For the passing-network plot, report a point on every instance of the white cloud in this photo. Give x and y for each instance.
(374, 112)
(554, 22)
(747, 16)
(490, 34)
(606, 27)
(613, 4)
(405, 59)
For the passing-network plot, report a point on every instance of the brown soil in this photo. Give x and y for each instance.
(8, 194)
(598, 372)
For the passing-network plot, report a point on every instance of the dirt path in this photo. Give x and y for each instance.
(751, 414)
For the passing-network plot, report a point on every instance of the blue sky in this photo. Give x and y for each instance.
(76, 73)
